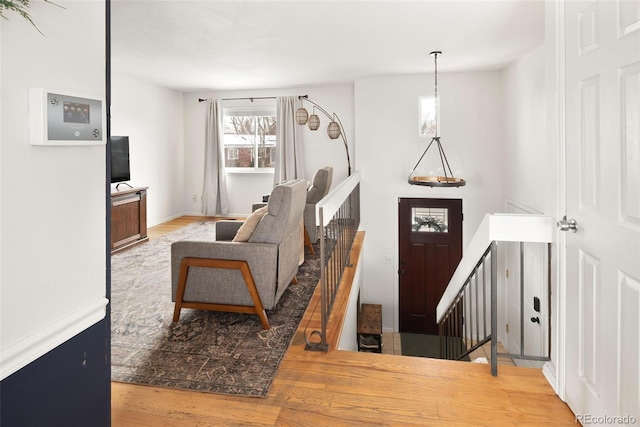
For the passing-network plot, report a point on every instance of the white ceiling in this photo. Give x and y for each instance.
(257, 44)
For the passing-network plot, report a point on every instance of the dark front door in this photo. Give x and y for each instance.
(430, 239)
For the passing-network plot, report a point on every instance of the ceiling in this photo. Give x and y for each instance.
(259, 44)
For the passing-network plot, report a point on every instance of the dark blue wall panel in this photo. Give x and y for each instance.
(69, 386)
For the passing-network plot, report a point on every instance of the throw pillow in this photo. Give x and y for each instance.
(246, 229)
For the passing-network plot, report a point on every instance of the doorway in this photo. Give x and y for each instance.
(430, 248)
(527, 277)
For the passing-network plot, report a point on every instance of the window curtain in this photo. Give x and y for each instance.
(289, 160)
(215, 199)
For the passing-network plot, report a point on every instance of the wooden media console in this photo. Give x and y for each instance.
(128, 218)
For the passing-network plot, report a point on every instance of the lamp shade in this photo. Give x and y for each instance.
(314, 122)
(302, 116)
(333, 130)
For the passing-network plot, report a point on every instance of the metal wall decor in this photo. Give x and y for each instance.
(447, 179)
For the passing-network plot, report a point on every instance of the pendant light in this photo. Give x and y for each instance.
(443, 177)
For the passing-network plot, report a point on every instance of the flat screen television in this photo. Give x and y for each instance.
(120, 159)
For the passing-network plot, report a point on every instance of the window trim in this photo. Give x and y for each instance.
(249, 110)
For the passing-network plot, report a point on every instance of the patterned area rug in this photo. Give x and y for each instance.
(205, 351)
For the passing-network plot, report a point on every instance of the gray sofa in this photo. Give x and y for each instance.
(320, 185)
(246, 277)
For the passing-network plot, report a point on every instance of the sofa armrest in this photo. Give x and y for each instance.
(257, 205)
(226, 286)
(226, 230)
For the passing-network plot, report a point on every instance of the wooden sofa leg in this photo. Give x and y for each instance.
(182, 284)
(255, 296)
(243, 266)
(294, 280)
(307, 242)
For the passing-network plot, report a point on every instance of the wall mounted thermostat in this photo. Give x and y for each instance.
(63, 118)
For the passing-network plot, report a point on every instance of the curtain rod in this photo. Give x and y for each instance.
(250, 98)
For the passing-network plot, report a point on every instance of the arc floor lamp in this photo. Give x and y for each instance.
(335, 129)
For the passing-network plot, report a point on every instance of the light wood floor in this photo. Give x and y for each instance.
(341, 388)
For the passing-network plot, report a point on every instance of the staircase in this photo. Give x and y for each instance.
(467, 313)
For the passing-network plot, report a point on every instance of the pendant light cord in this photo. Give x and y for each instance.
(435, 61)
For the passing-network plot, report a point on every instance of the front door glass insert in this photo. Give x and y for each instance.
(430, 220)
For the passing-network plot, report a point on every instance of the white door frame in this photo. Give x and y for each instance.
(554, 371)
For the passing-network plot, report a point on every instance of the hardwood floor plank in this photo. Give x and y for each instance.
(297, 418)
(341, 388)
(191, 407)
(356, 405)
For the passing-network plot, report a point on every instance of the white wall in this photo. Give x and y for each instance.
(152, 118)
(532, 171)
(52, 216)
(530, 168)
(246, 188)
(388, 147)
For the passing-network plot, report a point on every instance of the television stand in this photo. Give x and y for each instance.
(128, 218)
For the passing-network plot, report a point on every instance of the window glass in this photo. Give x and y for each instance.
(249, 137)
(427, 122)
(430, 220)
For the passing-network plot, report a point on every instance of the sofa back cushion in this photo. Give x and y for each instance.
(320, 185)
(284, 213)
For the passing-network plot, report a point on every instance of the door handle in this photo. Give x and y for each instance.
(401, 271)
(535, 320)
(567, 224)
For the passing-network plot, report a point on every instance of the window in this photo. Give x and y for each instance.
(427, 121)
(232, 153)
(430, 220)
(249, 135)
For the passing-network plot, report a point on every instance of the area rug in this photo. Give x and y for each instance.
(214, 352)
(422, 345)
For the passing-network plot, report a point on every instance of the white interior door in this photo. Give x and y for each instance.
(602, 117)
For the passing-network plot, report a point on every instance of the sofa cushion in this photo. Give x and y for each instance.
(284, 211)
(319, 185)
(246, 229)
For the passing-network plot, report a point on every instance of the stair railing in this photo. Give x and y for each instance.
(467, 305)
(463, 328)
(338, 216)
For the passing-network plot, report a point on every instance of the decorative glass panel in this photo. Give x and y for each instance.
(430, 220)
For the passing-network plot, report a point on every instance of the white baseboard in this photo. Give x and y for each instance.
(30, 348)
(162, 221)
(229, 215)
(549, 373)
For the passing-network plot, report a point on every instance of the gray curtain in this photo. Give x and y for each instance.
(289, 160)
(215, 199)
